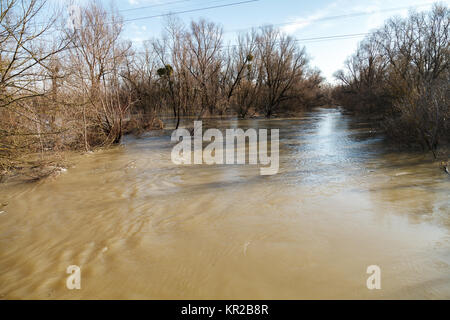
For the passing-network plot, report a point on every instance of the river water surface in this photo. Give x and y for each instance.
(141, 227)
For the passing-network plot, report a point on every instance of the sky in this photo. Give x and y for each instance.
(301, 19)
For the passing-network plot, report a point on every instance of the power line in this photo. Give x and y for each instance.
(319, 39)
(174, 12)
(348, 15)
(337, 37)
(168, 3)
(308, 40)
(154, 5)
(191, 10)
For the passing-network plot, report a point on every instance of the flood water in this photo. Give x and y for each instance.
(141, 227)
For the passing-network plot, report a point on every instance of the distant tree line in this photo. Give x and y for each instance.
(80, 87)
(401, 72)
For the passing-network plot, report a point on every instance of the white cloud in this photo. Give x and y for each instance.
(303, 22)
(375, 16)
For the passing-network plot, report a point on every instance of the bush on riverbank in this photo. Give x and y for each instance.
(402, 72)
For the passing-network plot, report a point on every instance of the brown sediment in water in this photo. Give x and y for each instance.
(141, 227)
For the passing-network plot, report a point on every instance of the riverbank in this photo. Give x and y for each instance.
(41, 166)
(31, 165)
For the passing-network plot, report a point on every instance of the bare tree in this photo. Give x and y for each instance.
(96, 57)
(281, 64)
(27, 46)
(205, 62)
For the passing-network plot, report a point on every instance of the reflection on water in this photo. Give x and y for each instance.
(142, 228)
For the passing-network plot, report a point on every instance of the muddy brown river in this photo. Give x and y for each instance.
(141, 227)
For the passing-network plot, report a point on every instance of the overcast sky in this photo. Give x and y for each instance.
(300, 18)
